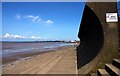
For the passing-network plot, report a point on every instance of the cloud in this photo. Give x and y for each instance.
(35, 19)
(18, 16)
(39, 20)
(49, 22)
(34, 37)
(7, 35)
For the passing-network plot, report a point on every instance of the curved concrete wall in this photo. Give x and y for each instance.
(99, 40)
(91, 36)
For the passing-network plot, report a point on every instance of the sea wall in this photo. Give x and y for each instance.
(99, 39)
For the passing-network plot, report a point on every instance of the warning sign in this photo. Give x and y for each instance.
(111, 17)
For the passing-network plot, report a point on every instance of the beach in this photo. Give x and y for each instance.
(61, 61)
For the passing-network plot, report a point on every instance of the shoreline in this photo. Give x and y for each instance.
(22, 55)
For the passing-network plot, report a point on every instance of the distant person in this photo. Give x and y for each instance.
(75, 44)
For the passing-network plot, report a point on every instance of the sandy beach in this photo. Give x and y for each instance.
(61, 61)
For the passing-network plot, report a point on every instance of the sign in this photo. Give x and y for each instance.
(111, 17)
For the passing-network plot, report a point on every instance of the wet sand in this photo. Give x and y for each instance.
(62, 61)
(18, 56)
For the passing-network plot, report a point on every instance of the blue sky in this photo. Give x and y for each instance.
(26, 21)
(119, 8)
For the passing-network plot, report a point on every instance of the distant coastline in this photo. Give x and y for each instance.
(69, 41)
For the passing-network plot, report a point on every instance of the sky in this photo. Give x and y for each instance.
(35, 21)
(118, 8)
